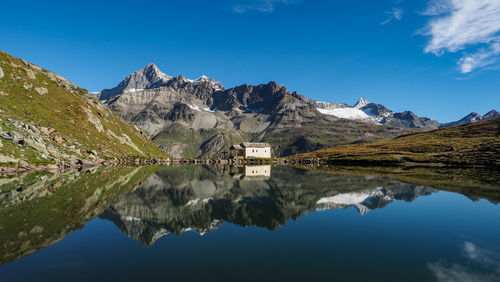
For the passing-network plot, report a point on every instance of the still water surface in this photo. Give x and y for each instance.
(246, 224)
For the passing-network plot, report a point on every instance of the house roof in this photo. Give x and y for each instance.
(236, 147)
(254, 145)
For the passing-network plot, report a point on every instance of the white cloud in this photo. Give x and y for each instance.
(464, 25)
(482, 58)
(486, 266)
(448, 273)
(483, 256)
(394, 14)
(264, 6)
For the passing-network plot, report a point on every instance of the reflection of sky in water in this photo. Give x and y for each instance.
(480, 265)
(441, 236)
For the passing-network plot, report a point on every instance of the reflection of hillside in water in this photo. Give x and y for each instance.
(178, 199)
(39, 209)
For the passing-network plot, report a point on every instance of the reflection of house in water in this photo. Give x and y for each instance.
(252, 172)
(251, 150)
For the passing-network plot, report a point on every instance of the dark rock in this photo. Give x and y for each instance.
(6, 136)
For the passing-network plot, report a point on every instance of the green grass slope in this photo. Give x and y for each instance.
(474, 144)
(52, 120)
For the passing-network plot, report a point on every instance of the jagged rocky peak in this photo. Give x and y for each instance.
(216, 84)
(361, 103)
(378, 110)
(149, 77)
(473, 117)
(491, 115)
(263, 98)
(181, 77)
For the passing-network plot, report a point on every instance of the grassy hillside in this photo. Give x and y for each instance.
(44, 118)
(475, 144)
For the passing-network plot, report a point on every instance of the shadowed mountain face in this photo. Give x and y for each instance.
(180, 199)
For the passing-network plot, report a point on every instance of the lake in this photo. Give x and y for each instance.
(278, 223)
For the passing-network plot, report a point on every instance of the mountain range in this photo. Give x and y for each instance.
(45, 118)
(201, 118)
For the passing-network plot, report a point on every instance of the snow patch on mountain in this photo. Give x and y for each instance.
(352, 114)
(132, 90)
(348, 113)
(194, 107)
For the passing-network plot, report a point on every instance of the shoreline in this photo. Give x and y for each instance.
(81, 164)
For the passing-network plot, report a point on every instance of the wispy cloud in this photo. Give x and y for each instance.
(455, 272)
(470, 26)
(393, 14)
(485, 262)
(264, 6)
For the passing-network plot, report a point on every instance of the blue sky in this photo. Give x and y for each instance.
(438, 58)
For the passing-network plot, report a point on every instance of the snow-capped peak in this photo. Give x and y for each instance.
(216, 84)
(361, 103)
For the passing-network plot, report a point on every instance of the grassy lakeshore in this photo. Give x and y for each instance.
(475, 144)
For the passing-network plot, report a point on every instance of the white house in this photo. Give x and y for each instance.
(249, 150)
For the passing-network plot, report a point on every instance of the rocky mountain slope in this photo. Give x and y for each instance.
(199, 118)
(45, 118)
(473, 144)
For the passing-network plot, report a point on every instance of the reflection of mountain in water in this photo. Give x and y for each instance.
(178, 199)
